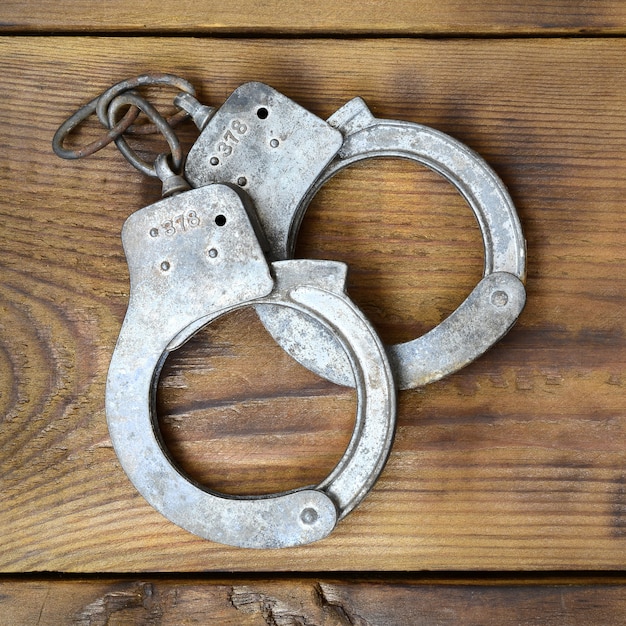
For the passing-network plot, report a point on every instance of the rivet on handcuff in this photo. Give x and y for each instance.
(223, 237)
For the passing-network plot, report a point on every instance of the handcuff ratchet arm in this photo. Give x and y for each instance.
(494, 304)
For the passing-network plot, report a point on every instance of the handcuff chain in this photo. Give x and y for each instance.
(106, 106)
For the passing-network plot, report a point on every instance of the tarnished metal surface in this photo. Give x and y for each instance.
(270, 146)
(275, 180)
(198, 112)
(106, 105)
(144, 80)
(367, 137)
(203, 252)
(77, 118)
(176, 151)
(192, 258)
(173, 183)
(477, 324)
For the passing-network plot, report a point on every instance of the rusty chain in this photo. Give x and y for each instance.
(107, 106)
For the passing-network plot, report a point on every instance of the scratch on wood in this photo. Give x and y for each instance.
(248, 601)
(139, 596)
(43, 604)
(275, 612)
(330, 598)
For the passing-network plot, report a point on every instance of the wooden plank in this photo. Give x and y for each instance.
(388, 17)
(517, 462)
(325, 602)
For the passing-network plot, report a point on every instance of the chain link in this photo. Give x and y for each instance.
(107, 106)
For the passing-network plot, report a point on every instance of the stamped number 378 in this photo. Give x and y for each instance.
(231, 137)
(178, 224)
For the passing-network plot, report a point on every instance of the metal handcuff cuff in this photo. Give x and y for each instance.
(228, 243)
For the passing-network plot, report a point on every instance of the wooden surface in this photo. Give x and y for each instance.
(515, 463)
(318, 601)
(318, 17)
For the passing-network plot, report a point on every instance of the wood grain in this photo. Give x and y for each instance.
(351, 17)
(323, 602)
(517, 462)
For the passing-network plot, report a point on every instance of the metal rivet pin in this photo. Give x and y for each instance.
(309, 516)
(499, 298)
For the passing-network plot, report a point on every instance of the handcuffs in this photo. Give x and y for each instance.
(223, 238)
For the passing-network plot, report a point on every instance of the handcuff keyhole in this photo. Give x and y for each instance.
(220, 220)
(262, 113)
